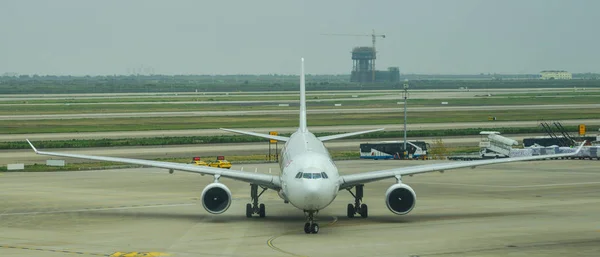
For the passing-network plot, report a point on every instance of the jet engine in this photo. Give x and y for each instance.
(216, 198)
(400, 198)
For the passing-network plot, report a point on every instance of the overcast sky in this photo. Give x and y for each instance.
(80, 37)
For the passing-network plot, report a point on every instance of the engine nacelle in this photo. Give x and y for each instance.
(400, 198)
(216, 198)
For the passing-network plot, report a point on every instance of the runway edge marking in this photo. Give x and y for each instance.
(115, 254)
(94, 209)
(51, 250)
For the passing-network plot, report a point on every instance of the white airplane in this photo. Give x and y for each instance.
(309, 178)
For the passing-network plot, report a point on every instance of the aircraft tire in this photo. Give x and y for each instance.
(248, 210)
(314, 228)
(261, 210)
(364, 211)
(350, 211)
(307, 228)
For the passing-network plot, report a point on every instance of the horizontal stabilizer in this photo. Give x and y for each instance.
(278, 138)
(326, 138)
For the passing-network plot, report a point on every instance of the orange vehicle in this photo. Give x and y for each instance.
(220, 163)
(197, 161)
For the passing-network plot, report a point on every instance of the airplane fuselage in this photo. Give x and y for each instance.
(309, 177)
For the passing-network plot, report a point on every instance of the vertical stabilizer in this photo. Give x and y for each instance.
(302, 100)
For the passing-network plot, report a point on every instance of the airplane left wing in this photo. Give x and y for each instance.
(348, 181)
(265, 180)
(278, 138)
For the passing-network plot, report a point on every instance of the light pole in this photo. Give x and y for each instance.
(405, 100)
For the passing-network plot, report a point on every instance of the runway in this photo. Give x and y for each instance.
(282, 111)
(544, 208)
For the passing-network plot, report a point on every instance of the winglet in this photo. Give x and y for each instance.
(580, 147)
(35, 150)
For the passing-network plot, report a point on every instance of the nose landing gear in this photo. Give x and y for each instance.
(357, 208)
(310, 227)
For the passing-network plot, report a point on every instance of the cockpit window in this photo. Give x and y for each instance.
(299, 175)
(313, 175)
(324, 175)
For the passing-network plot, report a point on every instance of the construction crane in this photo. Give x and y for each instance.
(373, 37)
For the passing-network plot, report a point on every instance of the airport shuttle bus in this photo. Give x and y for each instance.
(393, 150)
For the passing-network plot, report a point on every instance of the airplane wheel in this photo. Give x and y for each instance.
(248, 210)
(307, 228)
(364, 211)
(350, 211)
(314, 228)
(261, 210)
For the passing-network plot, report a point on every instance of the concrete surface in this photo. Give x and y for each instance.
(545, 208)
(294, 110)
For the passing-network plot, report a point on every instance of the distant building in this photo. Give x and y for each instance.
(556, 74)
(363, 67)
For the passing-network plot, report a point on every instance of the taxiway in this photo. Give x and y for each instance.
(543, 208)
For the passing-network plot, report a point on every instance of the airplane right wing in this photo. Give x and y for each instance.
(338, 136)
(348, 181)
(265, 180)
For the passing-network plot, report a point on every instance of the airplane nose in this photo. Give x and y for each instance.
(318, 195)
(312, 195)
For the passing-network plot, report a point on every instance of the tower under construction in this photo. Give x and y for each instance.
(363, 62)
(363, 67)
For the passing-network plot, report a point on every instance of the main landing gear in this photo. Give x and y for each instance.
(310, 227)
(357, 208)
(255, 208)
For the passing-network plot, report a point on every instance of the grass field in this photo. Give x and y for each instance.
(204, 83)
(183, 107)
(196, 98)
(265, 121)
(220, 139)
(483, 101)
(584, 93)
